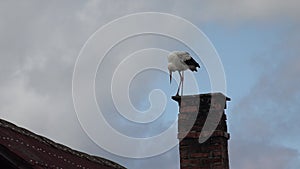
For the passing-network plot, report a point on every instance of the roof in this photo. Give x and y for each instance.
(20, 148)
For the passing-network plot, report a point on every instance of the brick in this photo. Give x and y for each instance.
(190, 162)
(213, 153)
(189, 109)
(182, 167)
(219, 167)
(200, 155)
(217, 153)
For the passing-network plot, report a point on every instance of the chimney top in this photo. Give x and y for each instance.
(204, 95)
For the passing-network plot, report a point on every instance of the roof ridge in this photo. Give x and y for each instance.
(96, 159)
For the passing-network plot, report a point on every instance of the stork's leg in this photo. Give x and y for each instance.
(182, 77)
(177, 94)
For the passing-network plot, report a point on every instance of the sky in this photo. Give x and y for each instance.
(257, 43)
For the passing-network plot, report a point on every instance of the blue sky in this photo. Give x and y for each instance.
(257, 41)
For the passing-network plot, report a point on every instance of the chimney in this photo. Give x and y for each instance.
(202, 131)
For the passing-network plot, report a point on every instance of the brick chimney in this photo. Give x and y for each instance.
(202, 131)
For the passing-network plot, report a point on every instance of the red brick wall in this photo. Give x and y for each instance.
(194, 112)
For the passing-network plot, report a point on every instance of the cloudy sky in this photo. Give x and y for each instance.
(257, 42)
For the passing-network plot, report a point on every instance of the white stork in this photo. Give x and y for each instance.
(181, 61)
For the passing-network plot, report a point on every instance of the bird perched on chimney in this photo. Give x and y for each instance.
(181, 61)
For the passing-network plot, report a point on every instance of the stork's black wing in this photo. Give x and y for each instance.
(192, 64)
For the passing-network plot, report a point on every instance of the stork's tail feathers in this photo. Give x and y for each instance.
(192, 64)
(194, 67)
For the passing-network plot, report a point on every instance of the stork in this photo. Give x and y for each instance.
(181, 61)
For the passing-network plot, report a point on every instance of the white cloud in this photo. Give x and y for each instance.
(40, 45)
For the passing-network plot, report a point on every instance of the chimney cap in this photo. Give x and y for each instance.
(204, 95)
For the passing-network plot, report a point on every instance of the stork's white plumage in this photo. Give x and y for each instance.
(181, 61)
